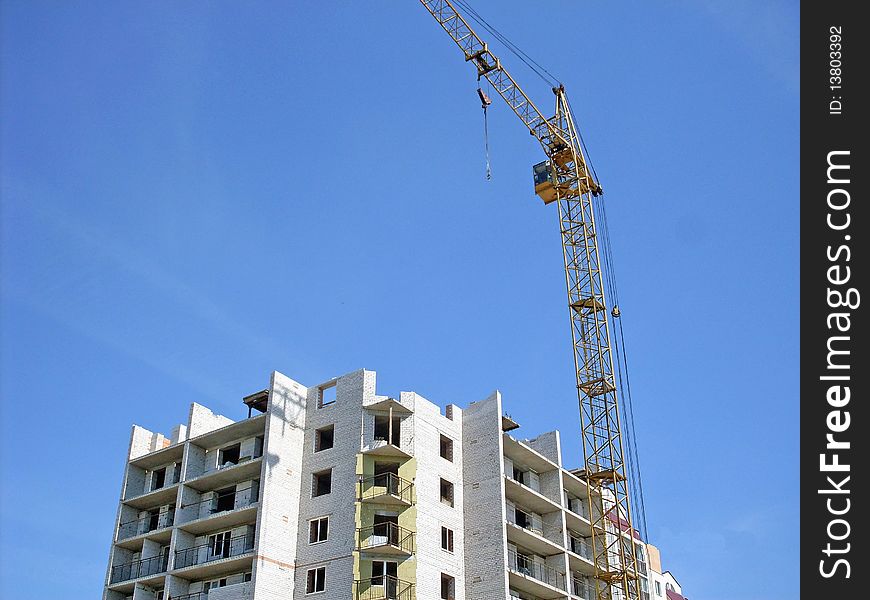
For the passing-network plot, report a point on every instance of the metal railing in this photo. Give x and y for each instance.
(582, 589)
(386, 534)
(139, 568)
(193, 596)
(386, 483)
(146, 524)
(385, 587)
(204, 553)
(536, 570)
(215, 500)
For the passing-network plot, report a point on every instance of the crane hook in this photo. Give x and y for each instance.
(484, 99)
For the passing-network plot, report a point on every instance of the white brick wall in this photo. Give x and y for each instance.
(485, 548)
(282, 551)
(280, 481)
(336, 553)
(432, 514)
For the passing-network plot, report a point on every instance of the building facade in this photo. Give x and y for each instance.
(336, 492)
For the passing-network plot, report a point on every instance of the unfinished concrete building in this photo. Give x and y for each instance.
(333, 491)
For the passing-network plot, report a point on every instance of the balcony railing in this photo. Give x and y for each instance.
(205, 553)
(146, 524)
(386, 534)
(193, 596)
(386, 484)
(223, 502)
(383, 588)
(139, 568)
(582, 589)
(536, 570)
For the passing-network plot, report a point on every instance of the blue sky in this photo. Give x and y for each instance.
(195, 194)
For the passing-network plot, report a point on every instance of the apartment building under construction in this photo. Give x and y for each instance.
(336, 492)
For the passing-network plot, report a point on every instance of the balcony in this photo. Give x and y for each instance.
(528, 497)
(532, 576)
(581, 559)
(386, 538)
(147, 524)
(580, 546)
(526, 530)
(527, 521)
(208, 553)
(582, 588)
(155, 497)
(386, 488)
(577, 516)
(383, 588)
(222, 511)
(227, 475)
(383, 447)
(144, 567)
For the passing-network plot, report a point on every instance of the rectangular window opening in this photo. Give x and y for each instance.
(382, 468)
(224, 499)
(447, 539)
(158, 478)
(316, 580)
(321, 483)
(219, 545)
(318, 530)
(448, 587)
(327, 396)
(324, 438)
(446, 448)
(382, 569)
(446, 492)
(384, 431)
(229, 456)
(153, 519)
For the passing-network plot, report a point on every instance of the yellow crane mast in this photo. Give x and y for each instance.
(565, 179)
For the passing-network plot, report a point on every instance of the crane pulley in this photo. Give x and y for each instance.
(564, 179)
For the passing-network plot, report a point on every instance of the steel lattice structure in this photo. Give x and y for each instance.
(573, 188)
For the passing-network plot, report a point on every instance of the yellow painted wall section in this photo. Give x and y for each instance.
(365, 514)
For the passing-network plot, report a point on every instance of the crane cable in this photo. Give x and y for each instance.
(621, 355)
(486, 144)
(484, 103)
(530, 62)
(624, 380)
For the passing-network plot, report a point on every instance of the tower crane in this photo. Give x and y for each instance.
(564, 179)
